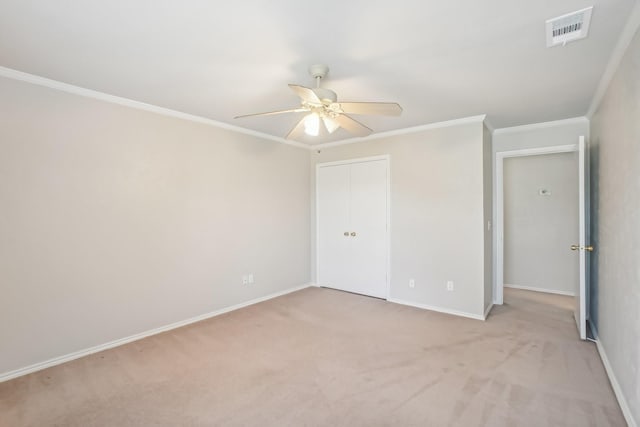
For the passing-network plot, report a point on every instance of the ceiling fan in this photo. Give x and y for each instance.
(322, 106)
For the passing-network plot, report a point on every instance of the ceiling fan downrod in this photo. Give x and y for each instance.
(318, 72)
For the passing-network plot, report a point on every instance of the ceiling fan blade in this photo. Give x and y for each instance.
(271, 113)
(352, 125)
(298, 130)
(379, 108)
(331, 124)
(306, 94)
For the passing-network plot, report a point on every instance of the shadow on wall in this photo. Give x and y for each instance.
(594, 165)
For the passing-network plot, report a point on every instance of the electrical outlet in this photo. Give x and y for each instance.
(450, 285)
(250, 278)
(245, 279)
(412, 283)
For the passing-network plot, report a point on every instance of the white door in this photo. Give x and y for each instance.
(334, 243)
(582, 293)
(369, 224)
(352, 226)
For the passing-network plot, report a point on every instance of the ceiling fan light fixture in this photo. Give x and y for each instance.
(330, 123)
(312, 124)
(321, 103)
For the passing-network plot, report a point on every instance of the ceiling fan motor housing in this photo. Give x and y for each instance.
(326, 96)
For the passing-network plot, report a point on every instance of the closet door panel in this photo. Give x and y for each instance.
(368, 215)
(334, 248)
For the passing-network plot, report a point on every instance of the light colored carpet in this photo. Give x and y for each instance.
(320, 357)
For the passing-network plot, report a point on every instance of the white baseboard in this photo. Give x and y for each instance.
(487, 311)
(547, 291)
(438, 309)
(81, 353)
(617, 390)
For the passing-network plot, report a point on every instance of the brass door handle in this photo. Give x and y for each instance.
(353, 234)
(585, 248)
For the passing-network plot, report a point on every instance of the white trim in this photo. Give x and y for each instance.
(617, 390)
(629, 30)
(101, 96)
(317, 231)
(582, 239)
(438, 309)
(544, 290)
(350, 161)
(489, 126)
(538, 151)
(388, 233)
(437, 125)
(81, 353)
(385, 157)
(498, 290)
(88, 93)
(487, 311)
(543, 125)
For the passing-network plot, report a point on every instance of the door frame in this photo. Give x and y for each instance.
(498, 286)
(385, 157)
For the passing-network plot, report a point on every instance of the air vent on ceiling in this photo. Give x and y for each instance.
(569, 27)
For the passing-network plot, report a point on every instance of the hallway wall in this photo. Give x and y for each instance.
(615, 172)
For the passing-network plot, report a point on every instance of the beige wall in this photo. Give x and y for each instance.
(437, 213)
(539, 230)
(542, 135)
(114, 221)
(615, 161)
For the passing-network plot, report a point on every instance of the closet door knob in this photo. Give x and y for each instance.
(346, 233)
(353, 234)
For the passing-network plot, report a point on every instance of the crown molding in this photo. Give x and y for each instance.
(489, 126)
(405, 131)
(629, 30)
(101, 96)
(543, 125)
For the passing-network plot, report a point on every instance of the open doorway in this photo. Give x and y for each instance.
(540, 194)
(541, 217)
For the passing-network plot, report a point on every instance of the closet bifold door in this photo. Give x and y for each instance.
(333, 227)
(368, 218)
(352, 215)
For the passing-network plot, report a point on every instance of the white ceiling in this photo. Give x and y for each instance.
(439, 59)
